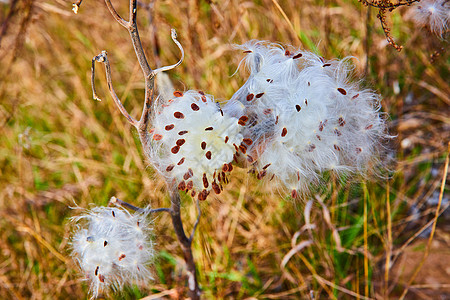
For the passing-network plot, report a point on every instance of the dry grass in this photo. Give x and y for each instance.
(59, 147)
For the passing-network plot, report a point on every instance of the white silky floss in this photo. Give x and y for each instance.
(432, 13)
(113, 248)
(305, 116)
(194, 141)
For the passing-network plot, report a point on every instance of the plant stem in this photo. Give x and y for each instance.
(185, 242)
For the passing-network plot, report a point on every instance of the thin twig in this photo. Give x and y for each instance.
(119, 202)
(196, 221)
(103, 58)
(194, 289)
(76, 6)
(174, 36)
(114, 13)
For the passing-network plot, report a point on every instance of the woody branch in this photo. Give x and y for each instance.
(142, 126)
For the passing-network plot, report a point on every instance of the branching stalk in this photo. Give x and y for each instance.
(185, 242)
(143, 130)
(118, 202)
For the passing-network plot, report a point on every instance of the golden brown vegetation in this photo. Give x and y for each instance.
(59, 148)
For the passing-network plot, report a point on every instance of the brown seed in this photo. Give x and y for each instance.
(356, 96)
(243, 149)
(248, 51)
(261, 174)
(358, 150)
(298, 107)
(182, 186)
(170, 168)
(187, 175)
(208, 128)
(178, 115)
(341, 121)
(297, 56)
(122, 257)
(230, 167)
(195, 107)
(342, 91)
(175, 149)
(268, 79)
(178, 94)
(169, 127)
(321, 126)
(190, 185)
(248, 141)
(183, 132)
(203, 145)
(298, 175)
(193, 194)
(226, 139)
(259, 95)
(202, 195)
(204, 99)
(105, 243)
(337, 147)
(249, 159)
(157, 137)
(337, 132)
(101, 278)
(243, 120)
(284, 132)
(113, 214)
(201, 93)
(205, 181)
(311, 148)
(180, 142)
(225, 168)
(208, 155)
(266, 166)
(276, 120)
(181, 161)
(221, 112)
(369, 127)
(306, 101)
(326, 65)
(216, 188)
(96, 271)
(318, 137)
(287, 53)
(294, 194)
(250, 97)
(309, 83)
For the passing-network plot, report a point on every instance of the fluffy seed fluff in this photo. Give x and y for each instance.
(306, 116)
(113, 248)
(194, 141)
(433, 13)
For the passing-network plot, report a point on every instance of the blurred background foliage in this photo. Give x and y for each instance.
(60, 149)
